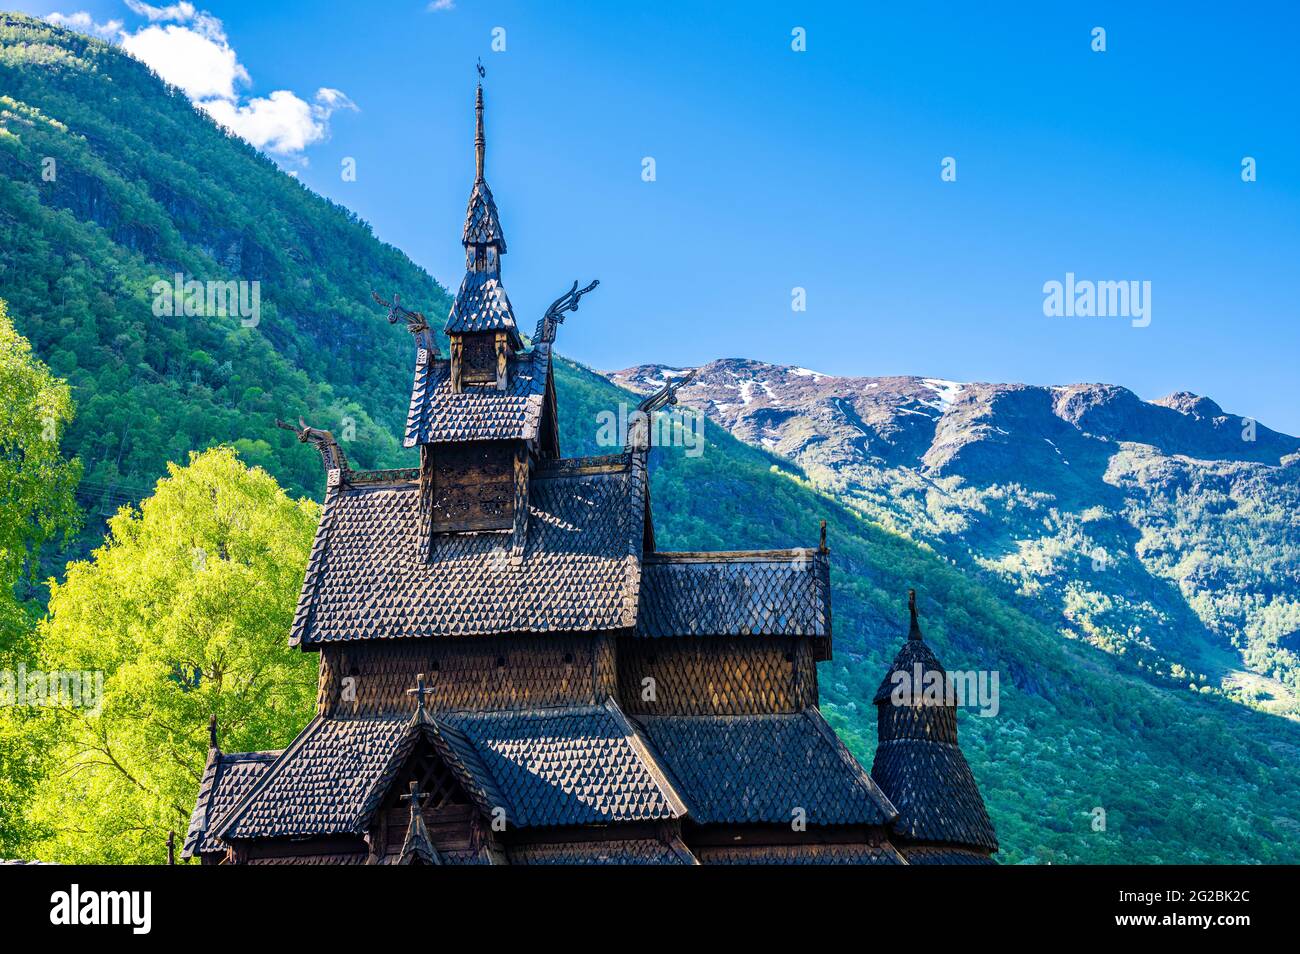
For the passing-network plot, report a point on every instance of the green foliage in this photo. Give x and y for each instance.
(185, 611)
(36, 504)
(144, 187)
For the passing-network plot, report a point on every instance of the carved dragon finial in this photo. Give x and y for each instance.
(331, 455)
(638, 437)
(416, 323)
(554, 316)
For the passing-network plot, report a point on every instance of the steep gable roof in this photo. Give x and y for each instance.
(580, 568)
(569, 765)
(226, 779)
(319, 783)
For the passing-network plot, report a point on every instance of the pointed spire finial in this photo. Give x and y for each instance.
(915, 631)
(212, 731)
(480, 141)
(821, 546)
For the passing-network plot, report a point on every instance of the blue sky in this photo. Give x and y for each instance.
(821, 169)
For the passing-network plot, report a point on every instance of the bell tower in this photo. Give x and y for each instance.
(482, 325)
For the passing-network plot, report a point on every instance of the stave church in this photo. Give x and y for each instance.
(512, 672)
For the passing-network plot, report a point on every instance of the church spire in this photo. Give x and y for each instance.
(914, 632)
(482, 311)
(480, 141)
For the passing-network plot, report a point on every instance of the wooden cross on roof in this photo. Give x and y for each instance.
(420, 691)
(415, 797)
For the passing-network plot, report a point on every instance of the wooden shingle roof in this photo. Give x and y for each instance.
(478, 413)
(572, 765)
(482, 221)
(918, 761)
(940, 855)
(755, 593)
(227, 777)
(481, 304)
(936, 795)
(762, 768)
(580, 568)
(319, 784)
(870, 853)
(632, 851)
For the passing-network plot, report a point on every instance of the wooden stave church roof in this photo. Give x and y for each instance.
(479, 412)
(652, 595)
(754, 769)
(481, 304)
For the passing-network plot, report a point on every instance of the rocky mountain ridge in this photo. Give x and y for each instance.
(1163, 530)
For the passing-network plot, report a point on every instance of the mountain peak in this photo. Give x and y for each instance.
(1193, 405)
(985, 432)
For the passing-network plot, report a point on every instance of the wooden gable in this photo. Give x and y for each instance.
(454, 824)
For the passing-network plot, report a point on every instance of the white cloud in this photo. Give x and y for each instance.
(189, 48)
(437, 5)
(199, 65)
(282, 123)
(83, 22)
(203, 22)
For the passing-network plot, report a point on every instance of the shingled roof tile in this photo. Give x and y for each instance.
(478, 413)
(545, 767)
(937, 797)
(579, 570)
(775, 593)
(763, 768)
(871, 853)
(481, 304)
(319, 784)
(226, 779)
(632, 851)
(568, 766)
(482, 221)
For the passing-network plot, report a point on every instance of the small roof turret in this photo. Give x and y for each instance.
(919, 763)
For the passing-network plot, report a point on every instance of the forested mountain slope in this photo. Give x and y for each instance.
(146, 187)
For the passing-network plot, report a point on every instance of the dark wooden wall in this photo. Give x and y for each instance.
(484, 672)
(479, 354)
(473, 486)
(716, 675)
